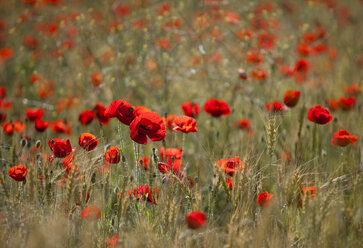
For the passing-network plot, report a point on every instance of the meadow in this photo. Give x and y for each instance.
(181, 123)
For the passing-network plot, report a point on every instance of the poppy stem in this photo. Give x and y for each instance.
(314, 140)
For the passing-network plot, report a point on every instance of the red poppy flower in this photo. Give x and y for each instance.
(91, 213)
(310, 191)
(86, 117)
(163, 43)
(217, 108)
(88, 141)
(18, 172)
(8, 128)
(264, 198)
(112, 155)
(259, 73)
(34, 113)
(99, 109)
(138, 110)
(185, 124)
(302, 65)
(122, 110)
(333, 104)
(163, 167)
(275, 107)
(168, 153)
(343, 138)
(195, 219)
(319, 115)
(190, 109)
(163, 8)
(144, 192)
(352, 90)
(68, 160)
(144, 162)
(111, 242)
(61, 148)
(19, 127)
(60, 126)
(244, 124)
(347, 103)
(69, 169)
(147, 124)
(41, 125)
(291, 98)
(169, 121)
(6, 53)
(230, 165)
(30, 41)
(96, 78)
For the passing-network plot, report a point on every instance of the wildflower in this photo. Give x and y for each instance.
(144, 162)
(99, 109)
(147, 124)
(122, 110)
(111, 242)
(347, 103)
(86, 117)
(291, 98)
(319, 115)
(343, 138)
(61, 148)
(217, 108)
(230, 165)
(185, 124)
(190, 109)
(264, 198)
(275, 107)
(169, 121)
(18, 172)
(8, 128)
(88, 141)
(96, 78)
(195, 219)
(112, 155)
(143, 192)
(91, 213)
(60, 126)
(310, 191)
(41, 125)
(34, 113)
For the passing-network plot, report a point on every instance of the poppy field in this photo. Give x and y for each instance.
(181, 123)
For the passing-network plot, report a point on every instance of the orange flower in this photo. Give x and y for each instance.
(310, 191)
(91, 213)
(230, 165)
(60, 126)
(343, 138)
(185, 124)
(112, 155)
(112, 242)
(88, 141)
(97, 78)
(169, 121)
(163, 43)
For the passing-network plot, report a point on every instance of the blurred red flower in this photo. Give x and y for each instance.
(195, 219)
